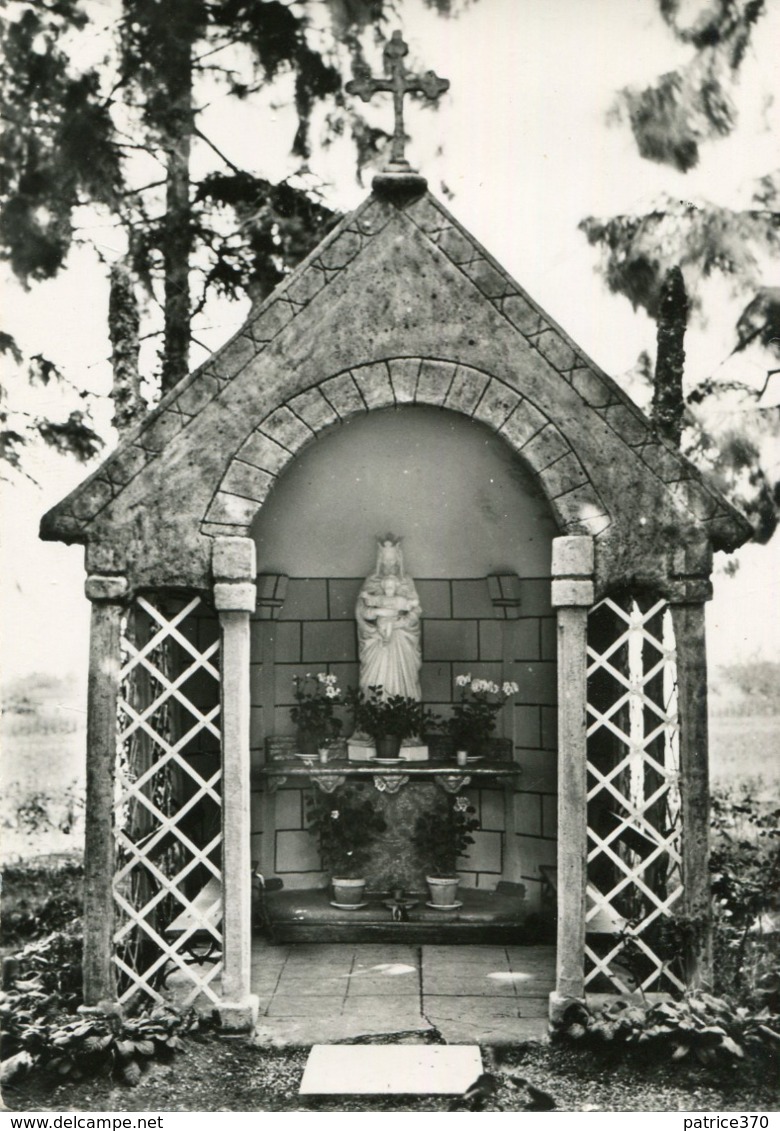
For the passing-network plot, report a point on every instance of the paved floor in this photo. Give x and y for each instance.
(322, 992)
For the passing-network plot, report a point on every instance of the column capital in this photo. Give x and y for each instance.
(235, 596)
(100, 587)
(573, 555)
(233, 559)
(571, 591)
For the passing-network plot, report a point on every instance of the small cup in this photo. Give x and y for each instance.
(462, 758)
(324, 754)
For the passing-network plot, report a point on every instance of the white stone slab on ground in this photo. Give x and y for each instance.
(382, 1070)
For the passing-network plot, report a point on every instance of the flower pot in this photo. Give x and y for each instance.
(307, 741)
(348, 891)
(388, 746)
(443, 889)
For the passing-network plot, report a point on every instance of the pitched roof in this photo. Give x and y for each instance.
(398, 278)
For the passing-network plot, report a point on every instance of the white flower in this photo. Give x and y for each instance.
(322, 677)
(478, 685)
(331, 692)
(510, 688)
(462, 680)
(334, 814)
(461, 803)
(492, 688)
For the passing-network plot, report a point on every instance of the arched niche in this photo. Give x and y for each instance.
(468, 507)
(462, 499)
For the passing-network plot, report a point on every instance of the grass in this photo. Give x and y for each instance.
(745, 749)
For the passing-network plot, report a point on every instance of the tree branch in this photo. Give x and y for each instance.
(219, 153)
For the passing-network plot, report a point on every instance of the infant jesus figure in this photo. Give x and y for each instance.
(388, 609)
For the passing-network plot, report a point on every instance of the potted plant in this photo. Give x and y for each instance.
(474, 714)
(347, 823)
(388, 720)
(441, 836)
(316, 696)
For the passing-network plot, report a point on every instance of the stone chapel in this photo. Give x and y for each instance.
(397, 379)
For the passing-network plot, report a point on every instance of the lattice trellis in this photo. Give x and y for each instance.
(168, 801)
(634, 819)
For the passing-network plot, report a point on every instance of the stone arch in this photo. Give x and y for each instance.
(530, 432)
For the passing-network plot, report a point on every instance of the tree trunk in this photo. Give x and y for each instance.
(668, 401)
(123, 327)
(177, 232)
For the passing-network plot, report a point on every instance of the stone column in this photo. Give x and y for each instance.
(688, 620)
(572, 595)
(233, 566)
(107, 595)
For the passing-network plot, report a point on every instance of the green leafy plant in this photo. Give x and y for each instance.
(316, 697)
(40, 897)
(347, 824)
(42, 990)
(442, 835)
(102, 1042)
(475, 712)
(377, 716)
(700, 1028)
(745, 867)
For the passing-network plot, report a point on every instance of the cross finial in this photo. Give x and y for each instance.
(399, 82)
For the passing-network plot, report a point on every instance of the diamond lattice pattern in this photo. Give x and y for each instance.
(634, 836)
(167, 885)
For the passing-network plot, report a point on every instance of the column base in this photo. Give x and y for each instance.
(559, 1005)
(238, 1016)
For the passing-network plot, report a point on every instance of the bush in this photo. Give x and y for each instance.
(745, 866)
(38, 1017)
(101, 1042)
(700, 1028)
(40, 897)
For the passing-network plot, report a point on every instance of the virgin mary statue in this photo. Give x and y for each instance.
(388, 617)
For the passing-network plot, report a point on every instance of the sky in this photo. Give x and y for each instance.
(523, 143)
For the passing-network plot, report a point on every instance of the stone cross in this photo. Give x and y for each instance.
(399, 82)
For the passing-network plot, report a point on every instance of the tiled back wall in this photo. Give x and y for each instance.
(460, 633)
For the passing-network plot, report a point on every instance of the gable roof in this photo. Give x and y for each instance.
(398, 279)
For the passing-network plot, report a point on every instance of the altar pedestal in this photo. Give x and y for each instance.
(401, 793)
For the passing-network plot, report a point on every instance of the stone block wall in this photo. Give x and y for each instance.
(461, 632)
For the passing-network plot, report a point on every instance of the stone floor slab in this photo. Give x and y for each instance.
(534, 1007)
(390, 1070)
(467, 984)
(288, 1005)
(384, 987)
(383, 1015)
(327, 985)
(455, 1008)
(466, 955)
(507, 1031)
(315, 993)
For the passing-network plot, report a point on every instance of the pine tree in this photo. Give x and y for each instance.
(671, 120)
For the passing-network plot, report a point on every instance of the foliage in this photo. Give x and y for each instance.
(377, 716)
(53, 963)
(100, 1042)
(708, 1030)
(347, 823)
(745, 866)
(126, 137)
(442, 835)
(39, 898)
(475, 712)
(315, 699)
(670, 119)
